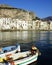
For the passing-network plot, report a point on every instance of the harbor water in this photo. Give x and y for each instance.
(41, 39)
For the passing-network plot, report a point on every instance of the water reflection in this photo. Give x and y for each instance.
(20, 36)
(41, 39)
(27, 36)
(4, 36)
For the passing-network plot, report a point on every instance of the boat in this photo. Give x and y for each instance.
(26, 57)
(19, 57)
(27, 60)
(8, 51)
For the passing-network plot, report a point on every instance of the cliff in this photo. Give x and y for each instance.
(8, 11)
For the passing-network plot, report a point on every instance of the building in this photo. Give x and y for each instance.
(50, 25)
(19, 24)
(43, 25)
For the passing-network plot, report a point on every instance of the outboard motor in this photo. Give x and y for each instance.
(19, 48)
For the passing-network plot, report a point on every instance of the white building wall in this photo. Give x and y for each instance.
(37, 24)
(25, 25)
(1, 23)
(44, 25)
(8, 23)
(51, 25)
(34, 25)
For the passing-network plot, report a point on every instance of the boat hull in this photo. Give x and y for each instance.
(27, 60)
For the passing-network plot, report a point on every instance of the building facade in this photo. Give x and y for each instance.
(19, 24)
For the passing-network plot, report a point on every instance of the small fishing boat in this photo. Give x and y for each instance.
(19, 57)
(24, 61)
(27, 60)
(8, 51)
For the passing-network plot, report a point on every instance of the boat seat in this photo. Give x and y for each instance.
(5, 51)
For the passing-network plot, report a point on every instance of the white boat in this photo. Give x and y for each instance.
(8, 51)
(28, 60)
(20, 58)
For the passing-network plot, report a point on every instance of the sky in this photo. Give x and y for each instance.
(41, 8)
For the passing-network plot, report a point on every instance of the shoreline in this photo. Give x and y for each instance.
(22, 30)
